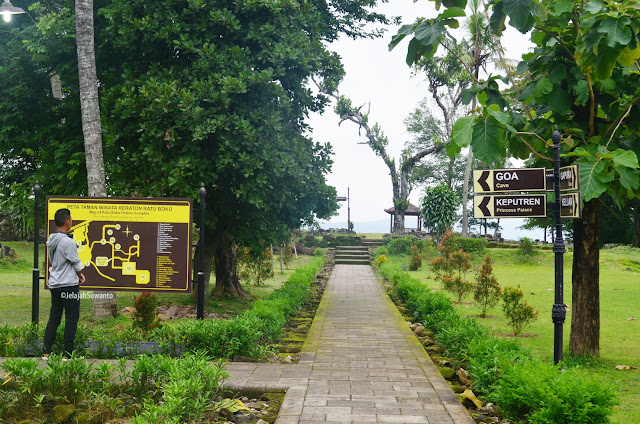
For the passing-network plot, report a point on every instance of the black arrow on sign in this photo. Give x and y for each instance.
(483, 206)
(483, 181)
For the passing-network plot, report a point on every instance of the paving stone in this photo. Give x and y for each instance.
(361, 363)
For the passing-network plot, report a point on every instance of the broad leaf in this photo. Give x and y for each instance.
(455, 3)
(467, 95)
(543, 86)
(462, 131)
(496, 22)
(452, 12)
(581, 90)
(502, 117)
(622, 157)
(628, 57)
(429, 33)
(412, 51)
(519, 12)
(402, 32)
(616, 30)
(487, 140)
(557, 74)
(593, 179)
(523, 66)
(629, 178)
(558, 100)
(561, 6)
(593, 6)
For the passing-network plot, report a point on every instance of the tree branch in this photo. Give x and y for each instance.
(559, 40)
(592, 107)
(615, 124)
(532, 149)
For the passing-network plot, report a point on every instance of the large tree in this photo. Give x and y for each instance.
(581, 76)
(402, 172)
(216, 92)
(181, 106)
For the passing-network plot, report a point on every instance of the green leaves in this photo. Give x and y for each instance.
(616, 30)
(429, 33)
(462, 132)
(519, 12)
(487, 140)
(593, 178)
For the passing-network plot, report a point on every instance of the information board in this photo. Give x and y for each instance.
(510, 206)
(128, 243)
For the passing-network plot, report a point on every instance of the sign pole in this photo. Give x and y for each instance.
(200, 307)
(35, 291)
(559, 311)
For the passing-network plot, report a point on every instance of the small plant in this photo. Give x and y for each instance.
(145, 316)
(382, 250)
(318, 252)
(380, 259)
(255, 267)
(415, 261)
(526, 250)
(518, 311)
(451, 267)
(487, 291)
(287, 255)
(401, 245)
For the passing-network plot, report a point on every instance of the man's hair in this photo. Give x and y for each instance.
(61, 216)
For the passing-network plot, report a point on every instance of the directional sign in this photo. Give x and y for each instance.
(514, 206)
(570, 205)
(569, 178)
(501, 180)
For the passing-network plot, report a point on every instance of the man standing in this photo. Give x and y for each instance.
(65, 277)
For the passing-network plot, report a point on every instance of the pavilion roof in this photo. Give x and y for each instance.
(413, 210)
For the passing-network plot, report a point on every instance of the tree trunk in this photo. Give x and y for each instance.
(91, 126)
(465, 195)
(585, 315)
(398, 222)
(224, 252)
(636, 220)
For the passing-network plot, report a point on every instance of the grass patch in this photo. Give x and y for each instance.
(16, 289)
(620, 317)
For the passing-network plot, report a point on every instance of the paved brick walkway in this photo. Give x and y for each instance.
(361, 363)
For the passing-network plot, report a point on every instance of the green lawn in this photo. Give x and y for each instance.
(620, 315)
(16, 290)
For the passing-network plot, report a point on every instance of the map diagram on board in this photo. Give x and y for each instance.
(123, 251)
(129, 244)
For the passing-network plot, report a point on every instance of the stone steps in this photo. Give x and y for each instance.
(352, 255)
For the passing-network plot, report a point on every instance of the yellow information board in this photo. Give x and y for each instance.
(129, 243)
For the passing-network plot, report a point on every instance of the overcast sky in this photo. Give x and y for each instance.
(382, 78)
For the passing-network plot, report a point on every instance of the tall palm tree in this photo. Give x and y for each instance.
(91, 126)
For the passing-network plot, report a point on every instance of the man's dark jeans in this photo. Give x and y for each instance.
(67, 299)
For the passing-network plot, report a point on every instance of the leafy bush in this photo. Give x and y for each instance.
(518, 311)
(537, 392)
(400, 245)
(255, 266)
(249, 333)
(415, 261)
(318, 252)
(380, 259)
(527, 251)
(192, 374)
(438, 209)
(503, 370)
(451, 267)
(472, 245)
(145, 316)
(487, 290)
(382, 250)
